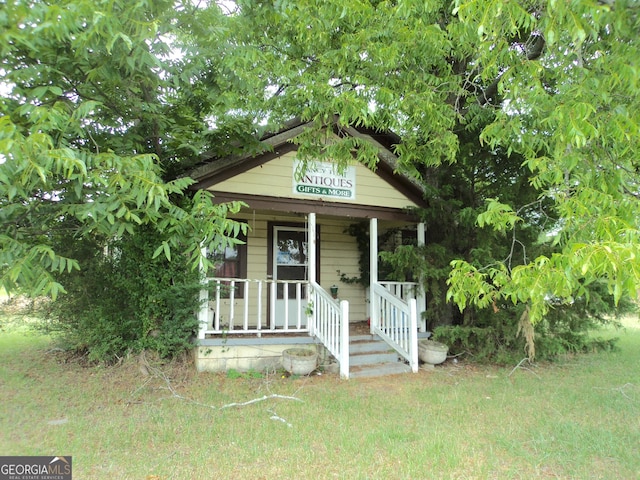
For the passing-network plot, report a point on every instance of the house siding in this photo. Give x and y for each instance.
(275, 179)
(338, 254)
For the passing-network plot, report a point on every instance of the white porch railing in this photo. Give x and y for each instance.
(396, 322)
(330, 324)
(403, 290)
(244, 306)
(239, 306)
(406, 291)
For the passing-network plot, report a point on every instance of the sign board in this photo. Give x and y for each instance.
(322, 179)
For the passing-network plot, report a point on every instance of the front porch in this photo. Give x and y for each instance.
(247, 323)
(368, 356)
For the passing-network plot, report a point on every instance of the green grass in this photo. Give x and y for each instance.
(576, 418)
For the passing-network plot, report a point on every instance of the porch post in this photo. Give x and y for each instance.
(311, 249)
(413, 337)
(373, 272)
(421, 299)
(203, 313)
(311, 268)
(421, 234)
(344, 340)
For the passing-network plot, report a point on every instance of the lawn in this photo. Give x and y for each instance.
(576, 418)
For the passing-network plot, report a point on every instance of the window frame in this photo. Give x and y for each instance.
(241, 267)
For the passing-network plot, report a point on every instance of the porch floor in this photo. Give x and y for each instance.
(355, 329)
(359, 328)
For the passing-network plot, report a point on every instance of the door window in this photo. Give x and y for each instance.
(290, 258)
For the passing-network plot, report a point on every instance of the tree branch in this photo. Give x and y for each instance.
(532, 48)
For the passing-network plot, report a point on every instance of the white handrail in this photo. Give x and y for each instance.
(407, 291)
(397, 324)
(403, 290)
(330, 324)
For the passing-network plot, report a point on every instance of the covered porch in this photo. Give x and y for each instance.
(246, 323)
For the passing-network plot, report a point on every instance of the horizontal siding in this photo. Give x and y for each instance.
(338, 252)
(275, 179)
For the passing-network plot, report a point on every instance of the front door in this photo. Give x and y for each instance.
(290, 262)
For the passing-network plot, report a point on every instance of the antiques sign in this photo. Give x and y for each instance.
(323, 180)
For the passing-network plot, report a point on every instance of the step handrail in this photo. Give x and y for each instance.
(330, 325)
(396, 322)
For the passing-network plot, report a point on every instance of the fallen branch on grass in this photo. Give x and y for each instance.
(261, 399)
(459, 354)
(620, 389)
(519, 365)
(154, 372)
(275, 416)
(54, 349)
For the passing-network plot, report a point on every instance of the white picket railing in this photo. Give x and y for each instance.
(396, 322)
(330, 325)
(225, 310)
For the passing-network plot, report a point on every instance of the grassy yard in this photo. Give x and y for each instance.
(577, 418)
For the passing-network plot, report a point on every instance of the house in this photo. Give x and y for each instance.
(285, 285)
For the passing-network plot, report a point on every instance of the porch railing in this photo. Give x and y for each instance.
(403, 290)
(245, 306)
(330, 324)
(396, 322)
(406, 291)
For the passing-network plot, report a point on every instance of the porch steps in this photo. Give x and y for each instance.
(369, 356)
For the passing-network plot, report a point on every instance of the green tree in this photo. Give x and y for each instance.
(93, 129)
(111, 100)
(573, 116)
(97, 122)
(552, 85)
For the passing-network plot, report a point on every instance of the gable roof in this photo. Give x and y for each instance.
(278, 143)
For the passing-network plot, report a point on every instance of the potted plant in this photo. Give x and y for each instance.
(299, 361)
(432, 352)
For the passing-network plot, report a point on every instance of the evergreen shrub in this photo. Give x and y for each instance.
(125, 301)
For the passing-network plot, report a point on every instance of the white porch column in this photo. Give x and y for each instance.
(373, 272)
(203, 313)
(311, 268)
(421, 299)
(344, 340)
(422, 237)
(311, 249)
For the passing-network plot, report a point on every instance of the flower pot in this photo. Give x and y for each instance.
(432, 352)
(299, 361)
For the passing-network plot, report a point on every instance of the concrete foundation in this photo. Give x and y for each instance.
(250, 354)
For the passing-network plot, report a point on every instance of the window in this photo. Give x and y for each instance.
(230, 262)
